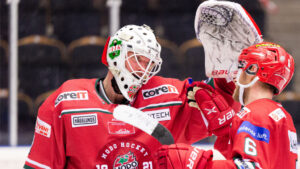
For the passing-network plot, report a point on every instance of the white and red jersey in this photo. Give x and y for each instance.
(262, 136)
(75, 128)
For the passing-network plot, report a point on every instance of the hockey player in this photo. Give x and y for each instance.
(75, 127)
(262, 135)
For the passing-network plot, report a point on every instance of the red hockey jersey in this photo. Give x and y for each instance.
(75, 128)
(262, 136)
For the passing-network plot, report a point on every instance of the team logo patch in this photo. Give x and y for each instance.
(293, 141)
(84, 120)
(243, 112)
(120, 128)
(126, 161)
(125, 154)
(160, 115)
(133, 90)
(277, 115)
(258, 133)
(72, 95)
(42, 128)
(160, 90)
(114, 49)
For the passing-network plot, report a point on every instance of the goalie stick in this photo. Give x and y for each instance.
(139, 119)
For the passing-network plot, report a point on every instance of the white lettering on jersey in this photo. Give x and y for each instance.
(84, 120)
(72, 95)
(160, 115)
(277, 114)
(42, 128)
(293, 141)
(160, 90)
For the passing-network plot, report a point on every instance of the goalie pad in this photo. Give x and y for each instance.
(224, 29)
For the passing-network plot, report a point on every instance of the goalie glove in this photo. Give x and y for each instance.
(182, 156)
(225, 29)
(215, 111)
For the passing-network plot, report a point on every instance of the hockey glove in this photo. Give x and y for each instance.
(182, 156)
(216, 112)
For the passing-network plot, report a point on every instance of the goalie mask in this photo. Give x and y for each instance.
(133, 57)
(269, 62)
(225, 29)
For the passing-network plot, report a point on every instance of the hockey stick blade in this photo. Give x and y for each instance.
(144, 122)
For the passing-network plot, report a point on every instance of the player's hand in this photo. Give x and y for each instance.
(216, 112)
(182, 156)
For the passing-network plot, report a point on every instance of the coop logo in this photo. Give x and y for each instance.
(72, 95)
(126, 161)
(160, 90)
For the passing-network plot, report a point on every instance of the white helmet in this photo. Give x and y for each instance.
(122, 55)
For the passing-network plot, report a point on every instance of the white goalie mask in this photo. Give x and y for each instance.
(225, 29)
(133, 57)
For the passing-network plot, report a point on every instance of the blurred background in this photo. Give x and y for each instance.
(60, 40)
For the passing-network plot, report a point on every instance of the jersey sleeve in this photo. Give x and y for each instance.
(47, 149)
(195, 126)
(165, 100)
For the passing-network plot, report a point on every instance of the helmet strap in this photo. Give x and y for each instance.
(242, 87)
(241, 95)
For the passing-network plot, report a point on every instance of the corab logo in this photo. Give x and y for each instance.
(72, 95)
(160, 90)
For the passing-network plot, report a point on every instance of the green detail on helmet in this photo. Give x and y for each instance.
(114, 49)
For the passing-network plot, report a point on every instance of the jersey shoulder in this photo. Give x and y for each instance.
(265, 112)
(160, 87)
(70, 91)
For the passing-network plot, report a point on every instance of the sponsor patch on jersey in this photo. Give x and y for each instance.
(277, 115)
(72, 95)
(160, 115)
(293, 141)
(84, 120)
(258, 133)
(243, 112)
(42, 128)
(120, 128)
(160, 90)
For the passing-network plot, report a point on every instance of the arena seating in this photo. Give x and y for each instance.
(84, 57)
(41, 64)
(26, 119)
(3, 64)
(192, 57)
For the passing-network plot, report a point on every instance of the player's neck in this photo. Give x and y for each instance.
(110, 93)
(257, 92)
